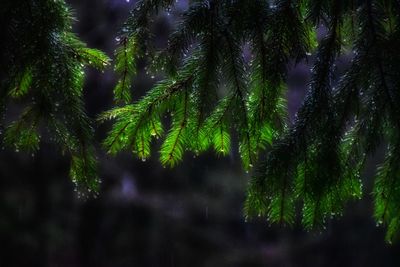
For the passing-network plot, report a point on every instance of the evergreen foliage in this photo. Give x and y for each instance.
(42, 73)
(217, 97)
(213, 93)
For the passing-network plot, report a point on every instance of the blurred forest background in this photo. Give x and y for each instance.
(146, 215)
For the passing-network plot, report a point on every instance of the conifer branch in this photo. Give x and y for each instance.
(46, 73)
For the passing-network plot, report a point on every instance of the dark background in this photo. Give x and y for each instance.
(146, 215)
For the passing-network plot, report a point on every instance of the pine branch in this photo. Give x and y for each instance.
(46, 76)
(315, 162)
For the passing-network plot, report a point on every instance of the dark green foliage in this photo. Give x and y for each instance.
(214, 98)
(212, 91)
(219, 98)
(43, 72)
(125, 68)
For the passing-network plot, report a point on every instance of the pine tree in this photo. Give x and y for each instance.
(42, 72)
